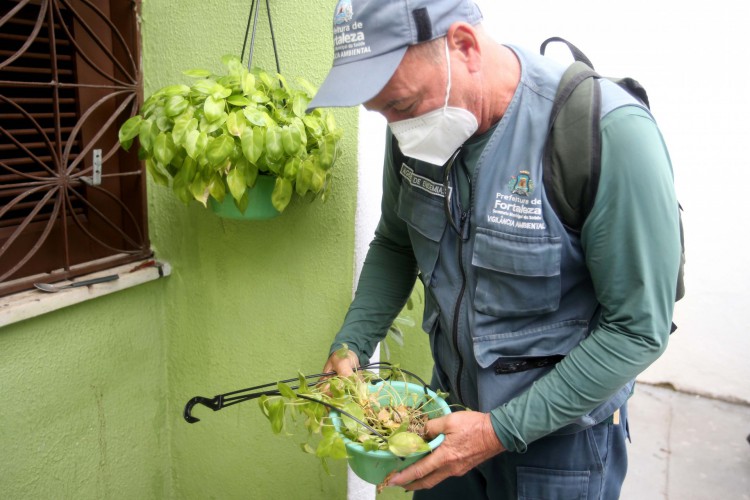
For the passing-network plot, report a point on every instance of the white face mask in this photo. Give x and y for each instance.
(434, 136)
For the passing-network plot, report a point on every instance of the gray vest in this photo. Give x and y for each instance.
(515, 285)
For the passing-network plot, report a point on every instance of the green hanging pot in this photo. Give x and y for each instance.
(259, 206)
(373, 466)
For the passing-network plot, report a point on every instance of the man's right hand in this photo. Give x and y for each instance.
(343, 361)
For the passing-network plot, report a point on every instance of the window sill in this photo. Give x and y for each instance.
(32, 303)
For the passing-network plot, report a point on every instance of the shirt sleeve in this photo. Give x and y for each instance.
(632, 244)
(387, 278)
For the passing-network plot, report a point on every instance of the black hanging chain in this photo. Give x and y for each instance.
(252, 18)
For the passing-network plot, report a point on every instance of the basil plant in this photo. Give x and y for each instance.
(214, 137)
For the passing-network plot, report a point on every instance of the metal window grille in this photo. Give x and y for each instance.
(69, 77)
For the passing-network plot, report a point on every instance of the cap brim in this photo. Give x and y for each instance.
(356, 82)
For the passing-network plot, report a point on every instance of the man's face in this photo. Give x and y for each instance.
(417, 87)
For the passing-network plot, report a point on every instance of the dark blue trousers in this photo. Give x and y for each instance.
(588, 465)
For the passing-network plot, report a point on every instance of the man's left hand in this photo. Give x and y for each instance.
(469, 441)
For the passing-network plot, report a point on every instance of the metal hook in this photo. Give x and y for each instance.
(214, 403)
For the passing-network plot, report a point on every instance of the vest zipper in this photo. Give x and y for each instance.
(457, 310)
(463, 236)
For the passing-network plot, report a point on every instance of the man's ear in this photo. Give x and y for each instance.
(463, 37)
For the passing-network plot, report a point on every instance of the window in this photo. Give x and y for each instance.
(69, 77)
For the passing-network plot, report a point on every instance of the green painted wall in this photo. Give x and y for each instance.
(92, 395)
(249, 302)
(83, 394)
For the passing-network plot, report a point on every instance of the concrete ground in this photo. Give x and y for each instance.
(686, 447)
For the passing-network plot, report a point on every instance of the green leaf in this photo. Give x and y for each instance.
(253, 143)
(330, 122)
(205, 87)
(274, 408)
(219, 149)
(157, 174)
(305, 176)
(237, 182)
(195, 143)
(313, 124)
(213, 108)
(302, 389)
(291, 140)
(291, 167)
(182, 126)
(406, 443)
(238, 100)
(197, 73)
(236, 123)
(147, 135)
(233, 64)
(252, 175)
(164, 148)
(307, 448)
(308, 87)
(248, 83)
(176, 105)
(199, 189)
(356, 411)
(211, 127)
(338, 449)
(299, 104)
(282, 194)
(216, 188)
(266, 79)
(328, 150)
(286, 391)
(260, 97)
(274, 145)
(129, 130)
(171, 90)
(258, 117)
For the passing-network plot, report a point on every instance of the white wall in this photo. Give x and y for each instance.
(693, 61)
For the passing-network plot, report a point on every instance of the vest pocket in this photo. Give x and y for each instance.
(516, 275)
(426, 222)
(496, 351)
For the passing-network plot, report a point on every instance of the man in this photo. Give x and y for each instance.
(539, 329)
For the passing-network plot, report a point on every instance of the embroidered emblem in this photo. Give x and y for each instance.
(344, 12)
(521, 184)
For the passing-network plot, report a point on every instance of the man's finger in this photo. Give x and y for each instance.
(435, 427)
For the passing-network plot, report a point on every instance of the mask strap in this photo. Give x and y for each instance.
(448, 89)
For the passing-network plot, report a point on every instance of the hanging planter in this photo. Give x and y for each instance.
(377, 421)
(259, 205)
(226, 138)
(374, 465)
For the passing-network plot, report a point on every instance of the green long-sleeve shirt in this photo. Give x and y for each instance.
(631, 243)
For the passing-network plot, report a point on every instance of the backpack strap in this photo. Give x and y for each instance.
(572, 152)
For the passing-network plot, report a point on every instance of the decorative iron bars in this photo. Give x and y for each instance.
(69, 77)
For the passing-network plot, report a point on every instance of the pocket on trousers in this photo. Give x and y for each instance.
(549, 484)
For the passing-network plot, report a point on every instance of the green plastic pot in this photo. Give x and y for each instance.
(374, 466)
(259, 205)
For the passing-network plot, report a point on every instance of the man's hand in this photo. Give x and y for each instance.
(469, 441)
(343, 361)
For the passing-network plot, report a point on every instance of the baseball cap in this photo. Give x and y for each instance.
(370, 37)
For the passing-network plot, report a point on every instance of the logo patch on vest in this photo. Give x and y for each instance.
(423, 183)
(518, 209)
(521, 184)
